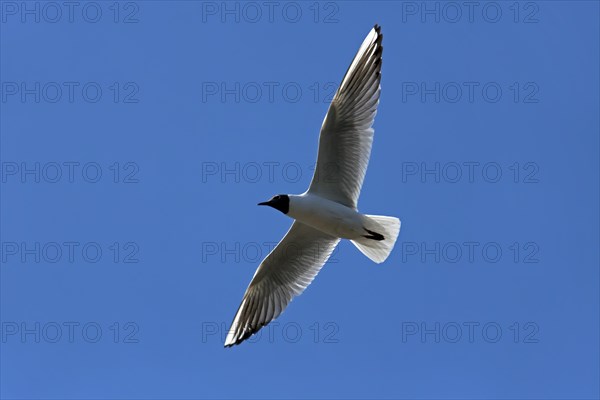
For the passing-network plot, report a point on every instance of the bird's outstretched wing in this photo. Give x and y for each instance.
(346, 133)
(283, 274)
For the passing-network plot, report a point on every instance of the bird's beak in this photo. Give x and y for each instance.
(264, 203)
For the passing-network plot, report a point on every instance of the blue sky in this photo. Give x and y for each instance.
(137, 138)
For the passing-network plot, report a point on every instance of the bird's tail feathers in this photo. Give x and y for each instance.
(379, 238)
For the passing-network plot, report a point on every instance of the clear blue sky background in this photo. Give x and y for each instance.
(179, 108)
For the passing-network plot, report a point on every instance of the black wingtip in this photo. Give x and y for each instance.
(379, 34)
(246, 334)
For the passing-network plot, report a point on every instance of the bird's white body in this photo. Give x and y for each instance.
(328, 216)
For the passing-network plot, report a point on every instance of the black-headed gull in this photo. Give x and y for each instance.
(327, 211)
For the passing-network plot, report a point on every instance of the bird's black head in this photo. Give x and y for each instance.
(280, 202)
